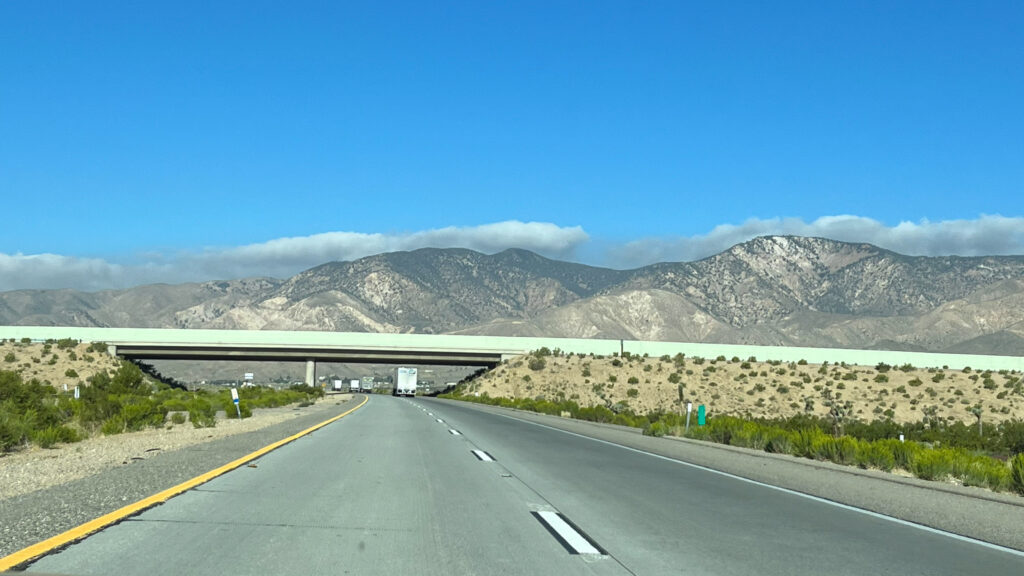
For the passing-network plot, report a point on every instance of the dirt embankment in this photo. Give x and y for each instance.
(761, 388)
(56, 363)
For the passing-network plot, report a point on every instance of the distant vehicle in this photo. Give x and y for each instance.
(405, 383)
(337, 385)
(366, 386)
(353, 386)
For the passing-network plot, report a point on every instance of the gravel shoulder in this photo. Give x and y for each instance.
(971, 512)
(46, 492)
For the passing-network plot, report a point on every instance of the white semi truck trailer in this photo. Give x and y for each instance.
(405, 383)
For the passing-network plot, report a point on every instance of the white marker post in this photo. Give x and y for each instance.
(689, 408)
(76, 392)
(234, 398)
(901, 438)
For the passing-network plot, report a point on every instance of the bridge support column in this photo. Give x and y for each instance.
(310, 372)
(112, 350)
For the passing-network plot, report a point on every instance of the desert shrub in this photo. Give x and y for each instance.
(65, 343)
(699, 433)
(178, 418)
(721, 429)
(825, 447)
(933, 464)
(985, 472)
(1011, 434)
(1017, 474)
(202, 413)
(779, 442)
(877, 454)
(804, 441)
(846, 450)
(748, 435)
(46, 437)
(113, 425)
(655, 429)
(140, 412)
(623, 420)
(596, 414)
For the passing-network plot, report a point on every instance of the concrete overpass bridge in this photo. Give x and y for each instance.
(443, 349)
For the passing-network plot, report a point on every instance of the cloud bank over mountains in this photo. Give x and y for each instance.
(283, 257)
(984, 236)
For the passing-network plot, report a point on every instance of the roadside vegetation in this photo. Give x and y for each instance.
(980, 452)
(33, 412)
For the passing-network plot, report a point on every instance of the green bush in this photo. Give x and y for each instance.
(113, 425)
(46, 437)
(825, 447)
(139, 413)
(749, 435)
(202, 413)
(877, 454)
(805, 439)
(655, 429)
(65, 343)
(905, 453)
(779, 442)
(981, 471)
(1017, 474)
(846, 450)
(933, 464)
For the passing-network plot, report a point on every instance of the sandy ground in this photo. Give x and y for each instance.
(36, 468)
(761, 388)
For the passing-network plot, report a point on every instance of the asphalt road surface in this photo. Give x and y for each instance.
(414, 486)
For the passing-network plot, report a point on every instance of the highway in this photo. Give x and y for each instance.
(419, 486)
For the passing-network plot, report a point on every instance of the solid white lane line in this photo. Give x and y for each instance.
(454, 432)
(893, 519)
(484, 456)
(566, 533)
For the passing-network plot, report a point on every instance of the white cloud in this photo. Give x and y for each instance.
(55, 271)
(281, 257)
(987, 235)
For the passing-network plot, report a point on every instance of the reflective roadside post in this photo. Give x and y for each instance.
(701, 420)
(689, 408)
(234, 398)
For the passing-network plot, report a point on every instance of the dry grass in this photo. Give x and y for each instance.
(761, 389)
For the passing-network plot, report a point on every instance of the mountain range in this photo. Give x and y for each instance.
(772, 290)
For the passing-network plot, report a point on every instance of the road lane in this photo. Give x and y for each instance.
(657, 516)
(389, 489)
(386, 490)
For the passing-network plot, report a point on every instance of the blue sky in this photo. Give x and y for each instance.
(181, 141)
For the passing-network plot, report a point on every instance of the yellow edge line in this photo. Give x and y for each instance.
(77, 533)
